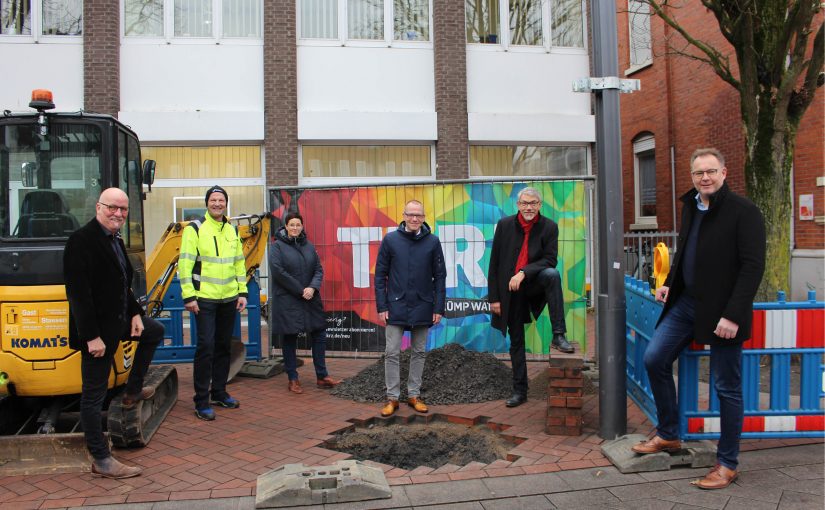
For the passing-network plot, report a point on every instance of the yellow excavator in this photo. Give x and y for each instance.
(53, 166)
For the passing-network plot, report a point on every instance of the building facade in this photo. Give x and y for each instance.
(250, 94)
(683, 105)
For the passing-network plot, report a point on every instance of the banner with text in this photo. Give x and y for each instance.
(346, 226)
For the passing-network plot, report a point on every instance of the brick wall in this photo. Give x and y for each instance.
(685, 105)
(450, 53)
(101, 56)
(280, 93)
(564, 395)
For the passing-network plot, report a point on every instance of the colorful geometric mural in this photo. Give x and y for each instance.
(347, 225)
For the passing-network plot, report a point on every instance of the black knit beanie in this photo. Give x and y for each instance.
(216, 189)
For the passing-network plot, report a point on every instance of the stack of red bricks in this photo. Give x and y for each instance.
(564, 395)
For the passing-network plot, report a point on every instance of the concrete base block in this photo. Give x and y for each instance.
(264, 369)
(695, 454)
(299, 485)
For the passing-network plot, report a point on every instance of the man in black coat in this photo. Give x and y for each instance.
(708, 297)
(410, 293)
(102, 311)
(522, 278)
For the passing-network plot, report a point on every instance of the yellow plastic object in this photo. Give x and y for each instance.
(661, 264)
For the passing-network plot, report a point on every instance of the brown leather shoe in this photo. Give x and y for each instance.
(718, 478)
(417, 404)
(129, 401)
(327, 382)
(295, 386)
(657, 444)
(110, 467)
(390, 408)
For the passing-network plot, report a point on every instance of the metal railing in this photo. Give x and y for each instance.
(639, 248)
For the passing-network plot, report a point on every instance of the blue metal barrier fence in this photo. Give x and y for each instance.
(175, 348)
(782, 332)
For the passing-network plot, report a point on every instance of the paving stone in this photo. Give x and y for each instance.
(754, 493)
(584, 498)
(749, 504)
(779, 457)
(123, 506)
(644, 504)
(799, 500)
(526, 485)
(473, 505)
(399, 499)
(598, 477)
(446, 492)
(815, 486)
(701, 498)
(674, 474)
(764, 478)
(519, 503)
(643, 491)
(201, 504)
(807, 472)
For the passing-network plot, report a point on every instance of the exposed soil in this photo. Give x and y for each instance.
(452, 375)
(433, 445)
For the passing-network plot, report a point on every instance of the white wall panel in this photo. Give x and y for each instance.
(367, 126)
(57, 67)
(365, 79)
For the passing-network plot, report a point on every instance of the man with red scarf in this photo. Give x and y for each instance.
(522, 278)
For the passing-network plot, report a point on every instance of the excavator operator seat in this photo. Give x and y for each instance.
(44, 213)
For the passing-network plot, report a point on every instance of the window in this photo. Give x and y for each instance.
(638, 16)
(644, 162)
(365, 19)
(45, 17)
(527, 161)
(193, 19)
(366, 161)
(546, 23)
(382, 21)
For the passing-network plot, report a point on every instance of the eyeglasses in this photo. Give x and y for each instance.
(115, 208)
(698, 174)
(531, 203)
(414, 216)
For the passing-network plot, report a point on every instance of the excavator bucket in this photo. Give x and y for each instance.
(135, 426)
(43, 454)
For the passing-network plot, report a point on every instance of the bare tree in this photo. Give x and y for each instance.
(777, 71)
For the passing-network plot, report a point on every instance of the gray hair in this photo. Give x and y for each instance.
(529, 191)
(707, 151)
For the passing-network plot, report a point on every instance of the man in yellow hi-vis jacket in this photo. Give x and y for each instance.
(213, 282)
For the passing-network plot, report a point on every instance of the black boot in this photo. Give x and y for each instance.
(560, 343)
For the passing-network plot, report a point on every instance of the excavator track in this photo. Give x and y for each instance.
(129, 428)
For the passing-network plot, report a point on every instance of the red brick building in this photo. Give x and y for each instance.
(683, 105)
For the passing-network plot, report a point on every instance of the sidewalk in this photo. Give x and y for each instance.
(218, 462)
(784, 478)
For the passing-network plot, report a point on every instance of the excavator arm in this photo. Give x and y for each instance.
(253, 230)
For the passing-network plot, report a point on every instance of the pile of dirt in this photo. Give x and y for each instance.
(433, 445)
(452, 375)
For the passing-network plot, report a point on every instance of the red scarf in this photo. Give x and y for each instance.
(527, 226)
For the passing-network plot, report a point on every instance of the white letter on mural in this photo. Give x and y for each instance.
(360, 237)
(468, 258)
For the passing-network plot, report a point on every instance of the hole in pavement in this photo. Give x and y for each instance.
(408, 442)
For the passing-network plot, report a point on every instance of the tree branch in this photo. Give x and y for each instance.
(717, 61)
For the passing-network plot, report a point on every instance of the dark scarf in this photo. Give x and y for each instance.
(523, 254)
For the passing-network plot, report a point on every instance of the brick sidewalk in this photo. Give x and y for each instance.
(193, 459)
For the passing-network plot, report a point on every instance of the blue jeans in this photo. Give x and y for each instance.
(319, 349)
(211, 367)
(673, 334)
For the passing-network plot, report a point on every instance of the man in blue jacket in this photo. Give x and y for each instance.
(410, 291)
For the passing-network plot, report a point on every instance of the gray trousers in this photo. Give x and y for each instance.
(392, 372)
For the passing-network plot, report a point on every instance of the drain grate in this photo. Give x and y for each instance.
(408, 442)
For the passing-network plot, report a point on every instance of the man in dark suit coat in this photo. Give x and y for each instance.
(708, 297)
(522, 278)
(102, 311)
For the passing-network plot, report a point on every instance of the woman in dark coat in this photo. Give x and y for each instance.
(296, 307)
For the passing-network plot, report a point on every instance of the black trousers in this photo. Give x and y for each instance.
(547, 285)
(95, 373)
(215, 324)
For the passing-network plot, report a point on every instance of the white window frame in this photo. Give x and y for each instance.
(504, 43)
(643, 144)
(637, 66)
(169, 36)
(343, 181)
(343, 30)
(36, 35)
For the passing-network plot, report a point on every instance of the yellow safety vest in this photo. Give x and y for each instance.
(211, 264)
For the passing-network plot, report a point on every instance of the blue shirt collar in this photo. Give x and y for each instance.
(699, 204)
